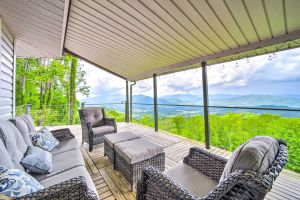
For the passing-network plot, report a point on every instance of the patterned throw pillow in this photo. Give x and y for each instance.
(16, 183)
(37, 160)
(44, 139)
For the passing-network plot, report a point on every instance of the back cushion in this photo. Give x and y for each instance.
(23, 127)
(93, 115)
(257, 154)
(14, 142)
(5, 159)
(28, 119)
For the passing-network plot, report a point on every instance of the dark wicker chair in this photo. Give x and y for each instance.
(95, 125)
(240, 184)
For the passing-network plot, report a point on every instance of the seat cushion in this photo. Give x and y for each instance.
(102, 130)
(63, 162)
(65, 145)
(23, 127)
(72, 173)
(93, 115)
(14, 142)
(137, 150)
(257, 154)
(112, 139)
(191, 180)
(5, 159)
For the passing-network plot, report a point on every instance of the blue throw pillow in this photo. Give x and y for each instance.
(44, 139)
(16, 183)
(37, 160)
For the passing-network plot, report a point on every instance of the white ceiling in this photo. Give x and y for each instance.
(138, 38)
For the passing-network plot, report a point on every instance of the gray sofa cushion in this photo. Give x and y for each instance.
(72, 173)
(14, 142)
(65, 145)
(5, 159)
(28, 119)
(115, 138)
(23, 127)
(94, 116)
(63, 162)
(137, 150)
(102, 130)
(257, 154)
(37, 160)
(191, 180)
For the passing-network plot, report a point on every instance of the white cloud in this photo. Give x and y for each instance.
(256, 76)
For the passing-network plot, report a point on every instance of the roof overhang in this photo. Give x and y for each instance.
(135, 39)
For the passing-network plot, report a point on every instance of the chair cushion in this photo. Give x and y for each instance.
(16, 183)
(5, 159)
(65, 145)
(72, 173)
(102, 130)
(63, 162)
(94, 116)
(137, 150)
(14, 142)
(37, 160)
(257, 154)
(44, 139)
(23, 127)
(112, 139)
(191, 180)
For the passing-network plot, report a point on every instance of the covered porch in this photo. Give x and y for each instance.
(136, 40)
(111, 184)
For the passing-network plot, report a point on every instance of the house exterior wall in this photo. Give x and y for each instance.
(7, 73)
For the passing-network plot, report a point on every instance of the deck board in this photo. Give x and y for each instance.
(111, 184)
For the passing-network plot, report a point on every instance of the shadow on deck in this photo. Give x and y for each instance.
(111, 184)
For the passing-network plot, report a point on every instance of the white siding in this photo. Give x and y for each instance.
(6, 72)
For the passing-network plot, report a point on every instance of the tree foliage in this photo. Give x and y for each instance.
(50, 86)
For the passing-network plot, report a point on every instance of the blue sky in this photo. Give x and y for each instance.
(258, 75)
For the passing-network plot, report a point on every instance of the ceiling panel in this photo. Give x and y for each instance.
(38, 25)
(138, 38)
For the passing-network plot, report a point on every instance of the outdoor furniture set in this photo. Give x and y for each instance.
(248, 174)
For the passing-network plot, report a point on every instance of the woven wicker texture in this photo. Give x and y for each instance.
(75, 189)
(133, 172)
(62, 134)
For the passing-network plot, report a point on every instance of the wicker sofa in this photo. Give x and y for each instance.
(95, 125)
(208, 169)
(69, 178)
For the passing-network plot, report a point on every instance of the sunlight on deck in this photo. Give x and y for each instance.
(111, 184)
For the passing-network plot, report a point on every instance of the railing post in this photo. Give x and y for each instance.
(126, 104)
(82, 105)
(205, 104)
(130, 111)
(28, 106)
(155, 102)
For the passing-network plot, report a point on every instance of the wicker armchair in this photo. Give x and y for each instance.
(240, 184)
(95, 125)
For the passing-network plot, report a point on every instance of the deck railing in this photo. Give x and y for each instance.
(229, 125)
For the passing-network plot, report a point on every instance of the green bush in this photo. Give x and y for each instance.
(230, 130)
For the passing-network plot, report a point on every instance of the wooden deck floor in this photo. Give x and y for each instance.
(111, 185)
